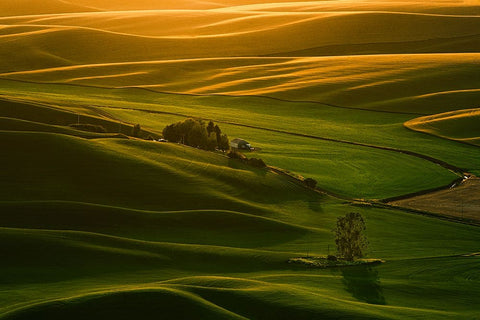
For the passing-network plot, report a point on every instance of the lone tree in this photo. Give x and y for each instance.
(136, 130)
(311, 183)
(350, 236)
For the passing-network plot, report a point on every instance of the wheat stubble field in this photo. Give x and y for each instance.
(376, 100)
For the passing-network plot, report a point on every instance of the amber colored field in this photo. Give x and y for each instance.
(424, 60)
(459, 202)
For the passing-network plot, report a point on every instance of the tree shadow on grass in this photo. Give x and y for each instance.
(315, 205)
(364, 284)
(237, 164)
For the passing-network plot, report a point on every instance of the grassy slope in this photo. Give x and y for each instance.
(63, 258)
(211, 183)
(115, 265)
(21, 116)
(23, 125)
(101, 262)
(210, 227)
(461, 125)
(149, 187)
(346, 169)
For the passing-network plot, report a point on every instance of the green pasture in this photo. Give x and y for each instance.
(100, 226)
(353, 171)
(461, 125)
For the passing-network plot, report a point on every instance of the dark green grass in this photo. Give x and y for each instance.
(12, 124)
(148, 303)
(135, 174)
(166, 177)
(81, 266)
(460, 125)
(127, 229)
(352, 171)
(211, 227)
(36, 256)
(21, 116)
(375, 128)
(95, 269)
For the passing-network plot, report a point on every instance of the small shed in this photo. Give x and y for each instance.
(240, 144)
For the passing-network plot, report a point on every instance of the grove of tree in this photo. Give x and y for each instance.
(195, 133)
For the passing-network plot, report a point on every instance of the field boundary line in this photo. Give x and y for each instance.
(381, 205)
(456, 170)
(213, 95)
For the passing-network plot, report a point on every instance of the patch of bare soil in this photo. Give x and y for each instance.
(462, 201)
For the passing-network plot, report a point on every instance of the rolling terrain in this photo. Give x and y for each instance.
(327, 52)
(201, 261)
(460, 125)
(460, 201)
(376, 100)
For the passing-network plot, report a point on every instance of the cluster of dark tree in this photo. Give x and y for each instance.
(311, 183)
(350, 236)
(195, 133)
(88, 127)
(254, 162)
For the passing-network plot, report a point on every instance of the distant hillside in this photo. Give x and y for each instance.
(415, 83)
(460, 125)
(465, 7)
(33, 7)
(406, 56)
(77, 38)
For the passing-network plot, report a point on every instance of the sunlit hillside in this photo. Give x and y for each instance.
(194, 48)
(362, 107)
(459, 125)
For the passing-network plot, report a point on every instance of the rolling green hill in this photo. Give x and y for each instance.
(460, 125)
(373, 99)
(339, 166)
(208, 260)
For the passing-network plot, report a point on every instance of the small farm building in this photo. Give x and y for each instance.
(240, 144)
